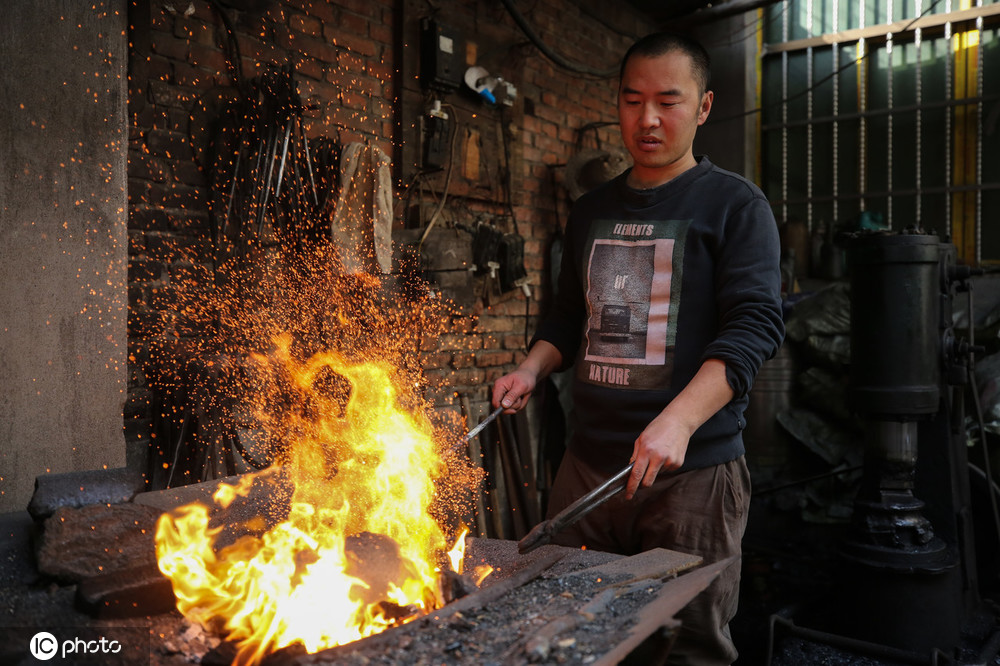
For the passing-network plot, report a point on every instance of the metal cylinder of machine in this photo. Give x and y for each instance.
(895, 343)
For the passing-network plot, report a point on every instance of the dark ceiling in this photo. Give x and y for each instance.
(665, 10)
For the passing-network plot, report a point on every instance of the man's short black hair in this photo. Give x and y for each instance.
(660, 43)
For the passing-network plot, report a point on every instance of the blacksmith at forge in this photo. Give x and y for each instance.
(668, 304)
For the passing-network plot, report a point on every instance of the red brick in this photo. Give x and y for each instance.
(382, 72)
(353, 100)
(381, 33)
(362, 7)
(321, 9)
(186, 75)
(146, 167)
(348, 23)
(305, 24)
(437, 360)
(350, 63)
(494, 374)
(463, 360)
(312, 47)
(147, 218)
(173, 145)
(311, 68)
(209, 58)
(194, 30)
(513, 342)
(484, 360)
(169, 46)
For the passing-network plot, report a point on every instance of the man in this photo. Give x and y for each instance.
(668, 303)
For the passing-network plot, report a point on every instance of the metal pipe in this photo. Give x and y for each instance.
(835, 63)
(784, 114)
(809, 114)
(979, 137)
(848, 644)
(949, 64)
(888, 76)
(918, 85)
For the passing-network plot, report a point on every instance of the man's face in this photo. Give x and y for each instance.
(660, 106)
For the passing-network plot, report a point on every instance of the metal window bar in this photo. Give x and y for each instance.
(862, 107)
(835, 63)
(896, 110)
(809, 114)
(784, 111)
(948, 84)
(873, 194)
(888, 75)
(979, 137)
(918, 95)
(947, 26)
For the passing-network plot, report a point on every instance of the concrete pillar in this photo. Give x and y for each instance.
(63, 253)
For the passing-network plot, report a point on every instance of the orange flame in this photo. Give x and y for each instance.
(358, 549)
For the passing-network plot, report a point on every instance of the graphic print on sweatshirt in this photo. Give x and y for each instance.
(633, 286)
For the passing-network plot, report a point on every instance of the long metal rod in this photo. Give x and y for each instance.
(850, 196)
(485, 422)
(948, 95)
(874, 113)
(809, 114)
(979, 136)
(919, 139)
(784, 114)
(862, 65)
(899, 28)
(835, 63)
(888, 76)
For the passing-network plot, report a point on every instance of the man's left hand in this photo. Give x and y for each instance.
(661, 446)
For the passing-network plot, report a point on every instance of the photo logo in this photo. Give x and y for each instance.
(44, 646)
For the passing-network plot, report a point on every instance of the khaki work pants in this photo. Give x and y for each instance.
(700, 512)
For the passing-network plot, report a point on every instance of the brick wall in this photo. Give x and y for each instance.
(345, 55)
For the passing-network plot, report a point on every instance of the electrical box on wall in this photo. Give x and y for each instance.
(442, 56)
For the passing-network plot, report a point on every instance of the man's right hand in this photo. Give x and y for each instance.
(513, 389)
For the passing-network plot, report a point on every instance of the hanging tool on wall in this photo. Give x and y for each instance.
(267, 188)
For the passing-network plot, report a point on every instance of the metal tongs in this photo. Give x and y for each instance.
(542, 533)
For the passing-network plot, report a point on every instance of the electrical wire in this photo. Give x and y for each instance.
(556, 58)
(749, 30)
(447, 179)
(233, 58)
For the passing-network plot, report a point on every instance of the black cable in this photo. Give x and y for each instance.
(751, 30)
(233, 58)
(556, 58)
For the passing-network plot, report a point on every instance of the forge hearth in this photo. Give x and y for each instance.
(554, 605)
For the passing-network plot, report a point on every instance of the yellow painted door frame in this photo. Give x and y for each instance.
(965, 46)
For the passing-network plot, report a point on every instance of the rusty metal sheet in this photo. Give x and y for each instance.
(673, 596)
(654, 563)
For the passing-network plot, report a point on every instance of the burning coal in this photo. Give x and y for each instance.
(326, 366)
